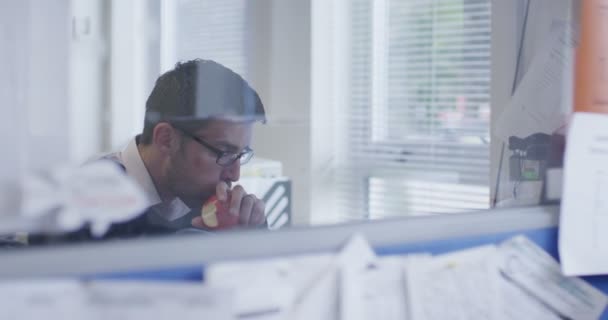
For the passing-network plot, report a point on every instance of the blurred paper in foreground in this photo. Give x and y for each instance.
(98, 193)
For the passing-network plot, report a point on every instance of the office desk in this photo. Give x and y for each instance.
(545, 237)
(142, 259)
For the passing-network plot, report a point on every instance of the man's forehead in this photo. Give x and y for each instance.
(223, 127)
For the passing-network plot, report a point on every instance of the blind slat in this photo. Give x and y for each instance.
(212, 29)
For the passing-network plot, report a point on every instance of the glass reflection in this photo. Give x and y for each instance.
(384, 114)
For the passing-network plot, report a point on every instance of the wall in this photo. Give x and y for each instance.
(128, 35)
(330, 93)
(13, 57)
(280, 72)
(34, 80)
(89, 78)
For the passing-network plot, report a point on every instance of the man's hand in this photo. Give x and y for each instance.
(247, 207)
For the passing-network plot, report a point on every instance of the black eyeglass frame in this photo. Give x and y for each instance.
(228, 157)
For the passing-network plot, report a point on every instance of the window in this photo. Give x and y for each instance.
(417, 125)
(414, 135)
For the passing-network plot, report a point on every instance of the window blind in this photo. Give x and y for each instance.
(212, 29)
(417, 125)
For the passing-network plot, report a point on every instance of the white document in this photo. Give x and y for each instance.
(265, 289)
(300, 287)
(67, 299)
(321, 298)
(583, 236)
(518, 304)
(534, 271)
(30, 300)
(461, 285)
(160, 300)
(272, 288)
(376, 291)
(542, 99)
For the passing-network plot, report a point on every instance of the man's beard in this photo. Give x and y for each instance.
(178, 183)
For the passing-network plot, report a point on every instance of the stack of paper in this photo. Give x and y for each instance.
(98, 193)
(514, 280)
(462, 285)
(304, 287)
(529, 268)
(68, 299)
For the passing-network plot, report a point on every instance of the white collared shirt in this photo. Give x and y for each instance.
(130, 158)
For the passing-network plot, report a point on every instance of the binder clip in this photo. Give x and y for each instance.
(528, 161)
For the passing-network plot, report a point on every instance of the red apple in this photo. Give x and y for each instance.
(216, 215)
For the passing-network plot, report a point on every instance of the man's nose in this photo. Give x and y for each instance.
(232, 172)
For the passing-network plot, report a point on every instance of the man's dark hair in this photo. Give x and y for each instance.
(199, 90)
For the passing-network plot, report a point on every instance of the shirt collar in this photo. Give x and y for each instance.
(136, 168)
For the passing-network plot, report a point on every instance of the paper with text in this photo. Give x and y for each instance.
(533, 270)
(518, 304)
(124, 300)
(583, 239)
(299, 287)
(158, 300)
(313, 301)
(375, 290)
(265, 289)
(42, 300)
(543, 98)
(459, 285)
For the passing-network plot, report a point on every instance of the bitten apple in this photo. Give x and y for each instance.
(216, 215)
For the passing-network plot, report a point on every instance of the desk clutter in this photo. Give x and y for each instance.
(514, 279)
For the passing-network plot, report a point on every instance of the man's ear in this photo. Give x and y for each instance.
(164, 137)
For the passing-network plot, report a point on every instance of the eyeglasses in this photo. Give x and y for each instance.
(224, 158)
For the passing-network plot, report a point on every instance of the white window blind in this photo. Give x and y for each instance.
(418, 118)
(212, 29)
